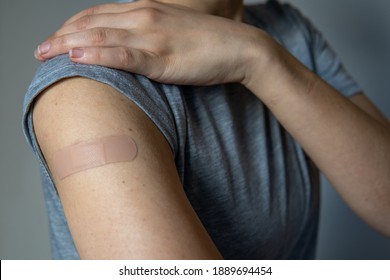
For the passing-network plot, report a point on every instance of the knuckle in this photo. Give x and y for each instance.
(150, 15)
(60, 42)
(84, 22)
(91, 10)
(124, 57)
(98, 35)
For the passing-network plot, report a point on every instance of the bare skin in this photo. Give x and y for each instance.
(144, 37)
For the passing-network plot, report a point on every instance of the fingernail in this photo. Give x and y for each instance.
(36, 55)
(76, 53)
(43, 48)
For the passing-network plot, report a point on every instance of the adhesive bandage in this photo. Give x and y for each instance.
(95, 153)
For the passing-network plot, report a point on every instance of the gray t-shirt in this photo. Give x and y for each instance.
(250, 183)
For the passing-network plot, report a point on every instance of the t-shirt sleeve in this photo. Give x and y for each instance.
(148, 95)
(324, 60)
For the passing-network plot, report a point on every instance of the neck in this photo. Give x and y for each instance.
(232, 9)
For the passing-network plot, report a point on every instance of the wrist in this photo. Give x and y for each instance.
(272, 72)
(261, 58)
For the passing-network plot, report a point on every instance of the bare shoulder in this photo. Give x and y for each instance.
(123, 210)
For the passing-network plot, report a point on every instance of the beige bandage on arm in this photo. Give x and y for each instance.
(94, 153)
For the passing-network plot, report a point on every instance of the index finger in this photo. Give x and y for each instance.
(98, 9)
(110, 8)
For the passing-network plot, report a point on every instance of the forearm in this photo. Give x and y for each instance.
(349, 146)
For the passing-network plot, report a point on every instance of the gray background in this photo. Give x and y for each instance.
(359, 30)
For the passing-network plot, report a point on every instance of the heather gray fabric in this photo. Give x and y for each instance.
(248, 180)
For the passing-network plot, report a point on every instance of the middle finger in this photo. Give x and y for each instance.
(110, 20)
(95, 37)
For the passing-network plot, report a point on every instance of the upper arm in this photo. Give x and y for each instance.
(124, 210)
